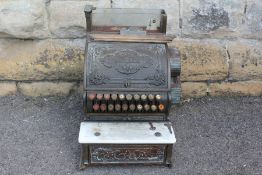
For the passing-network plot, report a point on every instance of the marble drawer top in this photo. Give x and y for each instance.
(126, 133)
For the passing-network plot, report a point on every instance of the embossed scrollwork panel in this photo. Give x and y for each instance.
(142, 65)
(127, 153)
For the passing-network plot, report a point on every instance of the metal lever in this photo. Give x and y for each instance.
(151, 126)
(168, 125)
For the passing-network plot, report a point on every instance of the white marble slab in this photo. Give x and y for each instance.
(125, 133)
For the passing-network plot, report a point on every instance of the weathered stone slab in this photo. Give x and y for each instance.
(171, 7)
(252, 23)
(201, 61)
(212, 18)
(67, 18)
(23, 19)
(244, 88)
(193, 90)
(245, 60)
(7, 88)
(42, 60)
(46, 88)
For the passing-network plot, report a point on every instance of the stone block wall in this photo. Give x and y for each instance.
(42, 44)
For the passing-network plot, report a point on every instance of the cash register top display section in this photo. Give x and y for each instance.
(115, 20)
(126, 50)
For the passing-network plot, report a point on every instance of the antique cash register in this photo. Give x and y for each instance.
(131, 79)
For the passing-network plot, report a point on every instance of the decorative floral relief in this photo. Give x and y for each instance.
(97, 78)
(114, 154)
(159, 78)
(128, 59)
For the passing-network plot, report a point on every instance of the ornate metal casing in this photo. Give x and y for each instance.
(131, 79)
(126, 56)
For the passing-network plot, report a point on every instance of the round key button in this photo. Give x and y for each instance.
(107, 96)
(103, 107)
(153, 108)
(158, 97)
(137, 97)
(96, 107)
(110, 107)
(121, 96)
(129, 97)
(143, 97)
(117, 107)
(124, 107)
(99, 96)
(139, 107)
(146, 107)
(114, 96)
(151, 97)
(91, 96)
(161, 107)
(132, 107)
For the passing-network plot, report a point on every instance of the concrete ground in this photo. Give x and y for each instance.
(214, 136)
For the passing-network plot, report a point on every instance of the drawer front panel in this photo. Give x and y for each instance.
(127, 153)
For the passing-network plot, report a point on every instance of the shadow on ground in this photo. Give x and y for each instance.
(214, 136)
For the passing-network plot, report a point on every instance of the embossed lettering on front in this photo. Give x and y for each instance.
(130, 61)
(127, 154)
